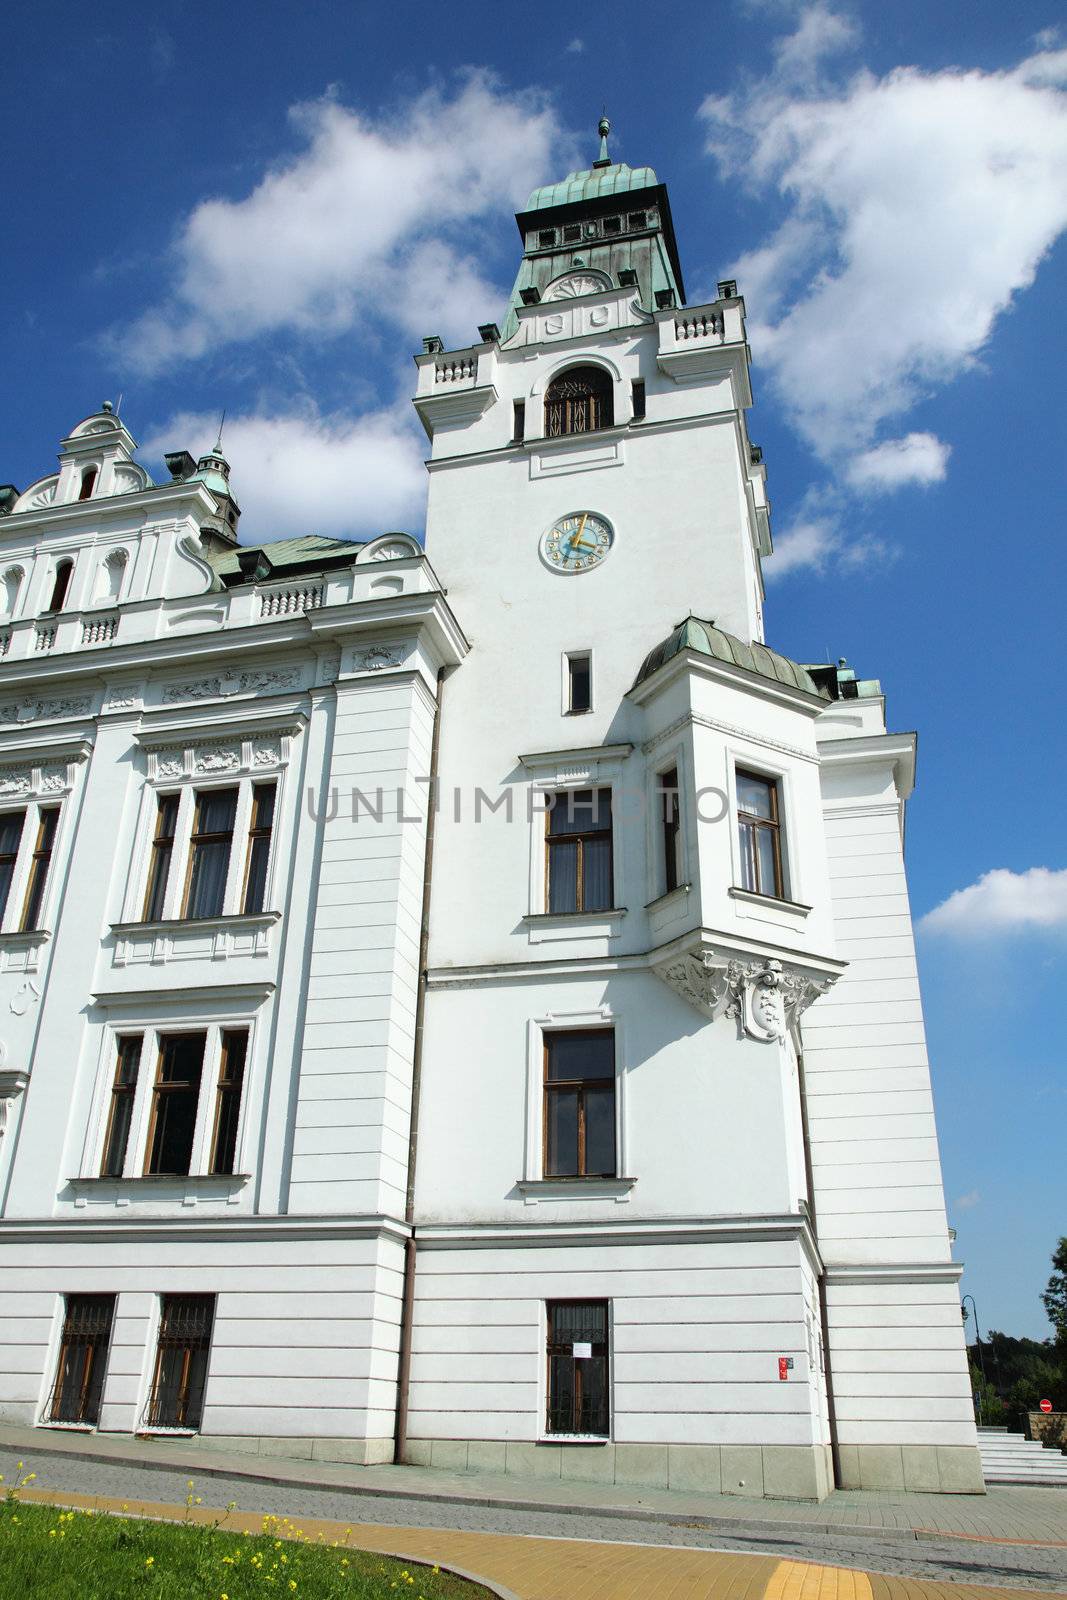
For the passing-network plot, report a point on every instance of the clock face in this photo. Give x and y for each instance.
(577, 542)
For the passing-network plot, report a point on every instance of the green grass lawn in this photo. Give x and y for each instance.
(81, 1555)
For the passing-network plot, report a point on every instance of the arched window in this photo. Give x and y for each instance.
(12, 585)
(88, 483)
(109, 581)
(580, 400)
(64, 570)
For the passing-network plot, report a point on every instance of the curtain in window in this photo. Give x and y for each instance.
(212, 839)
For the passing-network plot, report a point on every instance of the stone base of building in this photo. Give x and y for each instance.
(921, 1468)
(770, 1471)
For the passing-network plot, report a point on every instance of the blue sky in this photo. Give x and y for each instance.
(265, 208)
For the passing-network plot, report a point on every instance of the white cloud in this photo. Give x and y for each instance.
(820, 539)
(306, 473)
(576, 47)
(1003, 901)
(968, 1201)
(917, 458)
(369, 222)
(917, 205)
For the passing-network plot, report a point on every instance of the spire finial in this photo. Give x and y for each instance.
(222, 424)
(603, 128)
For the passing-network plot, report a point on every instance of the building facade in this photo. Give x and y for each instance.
(470, 1020)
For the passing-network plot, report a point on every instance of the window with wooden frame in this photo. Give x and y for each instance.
(180, 1376)
(210, 845)
(259, 836)
(579, 400)
(40, 861)
(579, 1105)
(670, 815)
(120, 1111)
(161, 856)
(11, 826)
(87, 1324)
(578, 1386)
(579, 682)
(175, 1099)
(760, 834)
(228, 1099)
(579, 851)
(208, 852)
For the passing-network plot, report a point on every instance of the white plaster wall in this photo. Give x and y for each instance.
(696, 1332)
(305, 1338)
(709, 1122)
(354, 1096)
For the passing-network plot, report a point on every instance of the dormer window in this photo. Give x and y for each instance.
(64, 572)
(580, 400)
(88, 485)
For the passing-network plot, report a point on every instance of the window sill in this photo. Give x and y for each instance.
(560, 925)
(200, 1178)
(575, 1188)
(566, 918)
(770, 902)
(573, 1438)
(681, 892)
(239, 920)
(20, 938)
(67, 1427)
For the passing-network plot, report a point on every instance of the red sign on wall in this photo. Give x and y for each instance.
(1046, 1405)
(784, 1364)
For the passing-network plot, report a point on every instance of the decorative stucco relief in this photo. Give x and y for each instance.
(764, 997)
(264, 681)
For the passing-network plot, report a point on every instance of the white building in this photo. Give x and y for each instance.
(576, 1124)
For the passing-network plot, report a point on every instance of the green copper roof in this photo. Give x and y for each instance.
(592, 184)
(707, 640)
(289, 555)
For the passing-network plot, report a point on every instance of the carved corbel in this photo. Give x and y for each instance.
(763, 995)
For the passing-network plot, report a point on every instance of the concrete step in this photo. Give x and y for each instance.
(1012, 1458)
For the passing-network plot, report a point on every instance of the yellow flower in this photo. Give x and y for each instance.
(29, 1477)
(292, 1583)
(150, 1561)
(227, 1561)
(51, 1533)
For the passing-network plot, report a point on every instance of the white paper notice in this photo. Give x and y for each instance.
(582, 1352)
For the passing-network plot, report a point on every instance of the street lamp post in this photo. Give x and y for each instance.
(977, 1340)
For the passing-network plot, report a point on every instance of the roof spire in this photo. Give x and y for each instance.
(222, 424)
(603, 128)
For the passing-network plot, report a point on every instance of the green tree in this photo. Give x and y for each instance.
(988, 1406)
(1055, 1296)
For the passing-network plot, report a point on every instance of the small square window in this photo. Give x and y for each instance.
(612, 225)
(637, 220)
(572, 233)
(546, 238)
(579, 683)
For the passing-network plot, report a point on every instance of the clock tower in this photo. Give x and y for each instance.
(640, 1229)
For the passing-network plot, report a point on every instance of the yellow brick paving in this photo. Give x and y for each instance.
(530, 1568)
